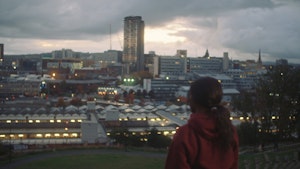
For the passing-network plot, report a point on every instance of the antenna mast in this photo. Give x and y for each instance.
(110, 36)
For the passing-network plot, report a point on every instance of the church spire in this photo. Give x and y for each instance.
(259, 58)
(206, 54)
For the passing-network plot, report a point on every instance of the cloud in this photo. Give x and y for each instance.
(239, 26)
(268, 29)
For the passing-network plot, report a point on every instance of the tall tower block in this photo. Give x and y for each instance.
(133, 49)
(1, 51)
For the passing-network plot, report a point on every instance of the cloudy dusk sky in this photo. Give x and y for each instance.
(240, 27)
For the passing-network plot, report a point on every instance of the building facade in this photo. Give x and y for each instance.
(205, 65)
(133, 50)
(171, 65)
(107, 58)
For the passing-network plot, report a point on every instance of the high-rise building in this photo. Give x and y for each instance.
(133, 49)
(1, 52)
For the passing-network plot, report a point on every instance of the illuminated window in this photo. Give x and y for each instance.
(2, 135)
(56, 134)
(51, 121)
(65, 134)
(58, 121)
(37, 121)
(72, 121)
(21, 135)
(30, 121)
(74, 135)
(241, 118)
(8, 121)
(108, 134)
(48, 135)
(79, 120)
(39, 135)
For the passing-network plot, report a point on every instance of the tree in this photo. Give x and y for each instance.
(124, 137)
(151, 94)
(248, 133)
(158, 140)
(76, 101)
(121, 136)
(277, 100)
(61, 102)
(245, 103)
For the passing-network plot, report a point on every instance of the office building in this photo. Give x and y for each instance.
(205, 65)
(133, 50)
(62, 54)
(173, 65)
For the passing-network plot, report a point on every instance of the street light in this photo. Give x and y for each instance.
(128, 81)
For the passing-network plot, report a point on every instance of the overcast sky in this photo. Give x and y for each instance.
(240, 27)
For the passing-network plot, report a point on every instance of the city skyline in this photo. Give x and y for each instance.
(238, 27)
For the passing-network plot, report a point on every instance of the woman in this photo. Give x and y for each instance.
(208, 140)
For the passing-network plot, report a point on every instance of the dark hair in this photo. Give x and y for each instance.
(207, 92)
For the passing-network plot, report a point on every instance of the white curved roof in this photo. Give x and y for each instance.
(173, 106)
(141, 110)
(129, 110)
(41, 110)
(148, 107)
(123, 107)
(71, 108)
(161, 107)
(54, 109)
(136, 107)
(110, 107)
(99, 107)
(83, 107)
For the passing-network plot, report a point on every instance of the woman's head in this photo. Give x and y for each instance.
(205, 92)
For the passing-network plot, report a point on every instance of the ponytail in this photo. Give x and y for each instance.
(223, 127)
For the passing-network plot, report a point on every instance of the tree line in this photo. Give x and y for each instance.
(272, 107)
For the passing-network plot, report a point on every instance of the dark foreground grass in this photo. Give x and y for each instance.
(287, 158)
(98, 161)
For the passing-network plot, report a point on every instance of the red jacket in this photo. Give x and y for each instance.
(191, 147)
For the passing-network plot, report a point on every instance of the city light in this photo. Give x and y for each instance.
(128, 81)
(39, 135)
